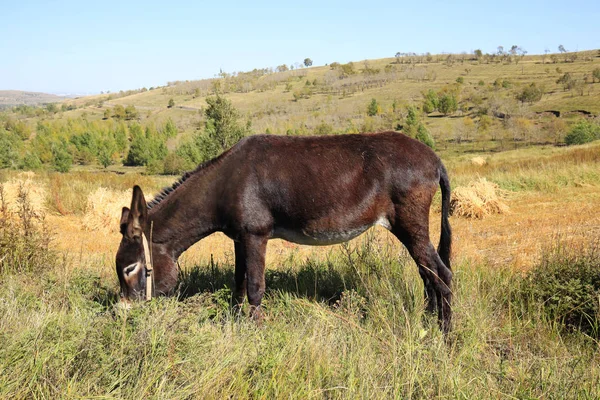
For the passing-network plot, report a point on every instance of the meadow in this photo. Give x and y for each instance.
(343, 321)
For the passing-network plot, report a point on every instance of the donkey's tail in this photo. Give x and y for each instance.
(445, 246)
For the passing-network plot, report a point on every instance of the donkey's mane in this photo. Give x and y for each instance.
(165, 192)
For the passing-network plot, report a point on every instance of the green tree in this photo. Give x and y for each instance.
(119, 112)
(222, 123)
(61, 158)
(131, 112)
(447, 104)
(308, 62)
(106, 150)
(424, 136)
(170, 130)
(412, 120)
(567, 81)
(106, 113)
(222, 130)
(373, 108)
(9, 149)
(530, 94)
(171, 103)
(430, 101)
(583, 132)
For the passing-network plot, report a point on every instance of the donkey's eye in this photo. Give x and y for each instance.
(129, 269)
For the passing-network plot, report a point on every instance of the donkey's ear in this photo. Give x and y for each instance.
(124, 218)
(138, 214)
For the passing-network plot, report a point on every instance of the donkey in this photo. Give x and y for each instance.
(316, 190)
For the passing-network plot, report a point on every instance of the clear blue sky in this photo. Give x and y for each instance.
(92, 46)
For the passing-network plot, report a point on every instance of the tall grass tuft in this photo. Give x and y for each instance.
(24, 237)
(565, 287)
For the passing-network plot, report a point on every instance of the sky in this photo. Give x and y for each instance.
(85, 47)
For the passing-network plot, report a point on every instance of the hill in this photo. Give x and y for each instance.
(463, 103)
(17, 97)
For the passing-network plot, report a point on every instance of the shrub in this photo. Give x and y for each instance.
(324, 129)
(565, 286)
(430, 102)
(447, 104)
(583, 132)
(373, 108)
(530, 94)
(460, 80)
(24, 237)
(424, 136)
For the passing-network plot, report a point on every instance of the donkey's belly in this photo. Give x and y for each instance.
(325, 237)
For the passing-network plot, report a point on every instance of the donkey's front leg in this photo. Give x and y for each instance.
(254, 248)
(240, 276)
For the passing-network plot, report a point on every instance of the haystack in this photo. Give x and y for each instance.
(477, 200)
(479, 161)
(103, 209)
(35, 191)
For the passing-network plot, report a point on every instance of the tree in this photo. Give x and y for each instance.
(170, 130)
(131, 112)
(478, 53)
(567, 81)
(583, 132)
(222, 124)
(61, 158)
(596, 75)
(282, 68)
(447, 104)
(373, 108)
(430, 102)
(561, 48)
(530, 94)
(424, 136)
(106, 113)
(119, 112)
(106, 150)
(171, 103)
(308, 62)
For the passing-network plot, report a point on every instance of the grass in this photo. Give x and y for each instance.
(341, 321)
(368, 338)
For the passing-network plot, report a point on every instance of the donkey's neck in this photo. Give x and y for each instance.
(187, 214)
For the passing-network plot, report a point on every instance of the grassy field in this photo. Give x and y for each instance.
(341, 321)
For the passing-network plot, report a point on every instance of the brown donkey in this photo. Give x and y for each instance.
(315, 190)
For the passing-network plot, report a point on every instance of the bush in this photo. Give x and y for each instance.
(424, 136)
(565, 286)
(583, 132)
(373, 108)
(447, 104)
(24, 237)
(530, 94)
(324, 129)
(430, 102)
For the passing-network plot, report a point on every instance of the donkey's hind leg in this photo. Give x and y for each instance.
(413, 232)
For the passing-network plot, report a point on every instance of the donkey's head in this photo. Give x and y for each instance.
(130, 256)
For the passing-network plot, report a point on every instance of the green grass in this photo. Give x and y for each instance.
(349, 327)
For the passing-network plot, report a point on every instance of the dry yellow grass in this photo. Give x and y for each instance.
(477, 200)
(479, 161)
(36, 192)
(103, 209)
